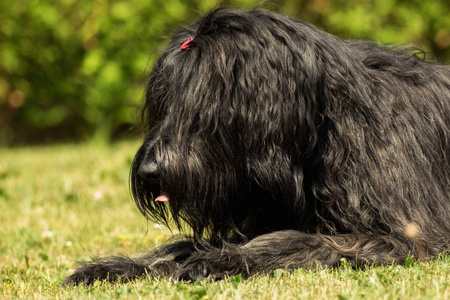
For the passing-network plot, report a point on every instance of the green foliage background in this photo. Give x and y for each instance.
(74, 70)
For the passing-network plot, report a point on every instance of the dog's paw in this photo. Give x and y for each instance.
(107, 269)
(78, 278)
(88, 273)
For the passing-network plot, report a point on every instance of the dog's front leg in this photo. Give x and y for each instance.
(290, 249)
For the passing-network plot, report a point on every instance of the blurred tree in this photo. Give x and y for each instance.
(424, 23)
(76, 69)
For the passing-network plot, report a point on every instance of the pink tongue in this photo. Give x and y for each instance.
(162, 198)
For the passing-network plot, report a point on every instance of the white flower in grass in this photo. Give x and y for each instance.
(99, 194)
(47, 234)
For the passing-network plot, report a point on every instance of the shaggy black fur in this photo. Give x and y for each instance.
(283, 146)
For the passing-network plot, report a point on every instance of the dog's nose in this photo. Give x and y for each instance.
(149, 172)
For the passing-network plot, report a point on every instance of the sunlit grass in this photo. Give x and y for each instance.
(60, 204)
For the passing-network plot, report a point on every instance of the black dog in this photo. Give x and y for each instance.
(283, 146)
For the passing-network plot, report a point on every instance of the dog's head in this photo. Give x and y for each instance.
(230, 116)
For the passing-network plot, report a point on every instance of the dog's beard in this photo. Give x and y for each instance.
(190, 189)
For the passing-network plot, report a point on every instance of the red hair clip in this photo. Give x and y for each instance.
(186, 45)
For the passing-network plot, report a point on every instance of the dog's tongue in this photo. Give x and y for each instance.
(162, 198)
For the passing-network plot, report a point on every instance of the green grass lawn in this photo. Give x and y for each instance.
(59, 204)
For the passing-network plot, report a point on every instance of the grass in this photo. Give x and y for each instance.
(59, 204)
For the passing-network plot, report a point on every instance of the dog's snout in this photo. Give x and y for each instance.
(149, 172)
